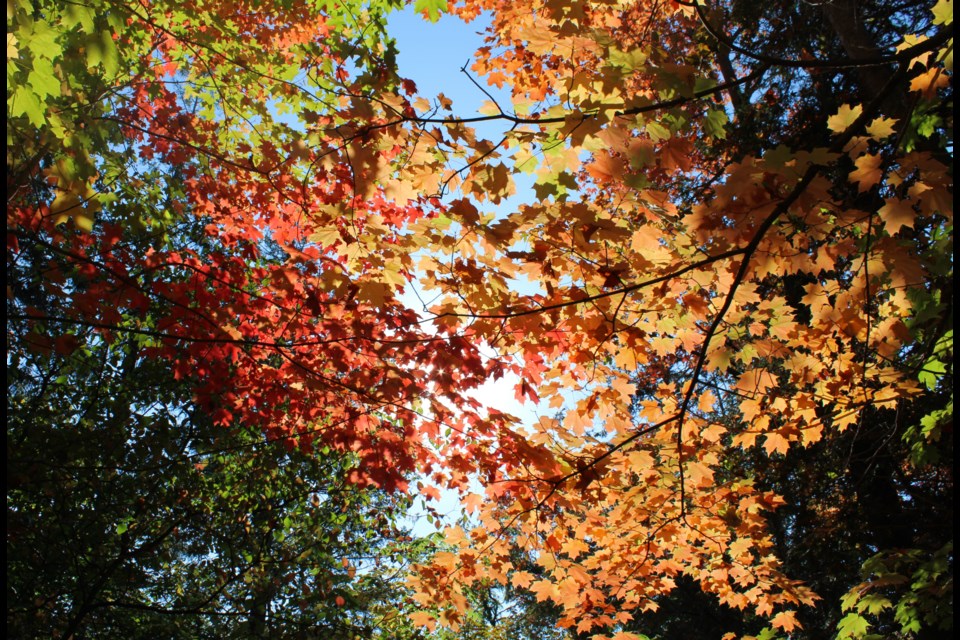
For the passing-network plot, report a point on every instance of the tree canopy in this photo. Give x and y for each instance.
(728, 294)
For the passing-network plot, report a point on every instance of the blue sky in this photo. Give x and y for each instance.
(431, 54)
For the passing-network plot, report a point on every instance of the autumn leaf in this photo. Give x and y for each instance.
(897, 214)
(700, 474)
(545, 590)
(928, 82)
(472, 502)
(489, 108)
(881, 128)
(521, 579)
(424, 619)
(846, 116)
(775, 442)
(786, 620)
(376, 293)
(706, 401)
(943, 12)
(12, 50)
(868, 172)
(431, 8)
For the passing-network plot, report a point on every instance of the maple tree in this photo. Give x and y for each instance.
(739, 244)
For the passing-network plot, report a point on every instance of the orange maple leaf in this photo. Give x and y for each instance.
(774, 442)
(928, 82)
(521, 579)
(868, 171)
(897, 214)
(545, 590)
(424, 619)
(786, 620)
(700, 474)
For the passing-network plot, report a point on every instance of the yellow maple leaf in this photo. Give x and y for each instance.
(881, 128)
(764, 607)
(707, 400)
(845, 117)
(719, 359)
(713, 433)
(575, 548)
(376, 293)
(69, 205)
(489, 108)
(400, 191)
(943, 12)
(749, 407)
(326, 236)
(64, 205)
(472, 502)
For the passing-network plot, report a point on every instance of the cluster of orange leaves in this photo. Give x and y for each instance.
(612, 501)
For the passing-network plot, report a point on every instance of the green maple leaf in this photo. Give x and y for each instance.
(432, 8)
(26, 102)
(932, 370)
(852, 626)
(715, 122)
(42, 79)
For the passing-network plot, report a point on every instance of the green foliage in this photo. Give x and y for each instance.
(431, 8)
(913, 585)
(59, 78)
(934, 368)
